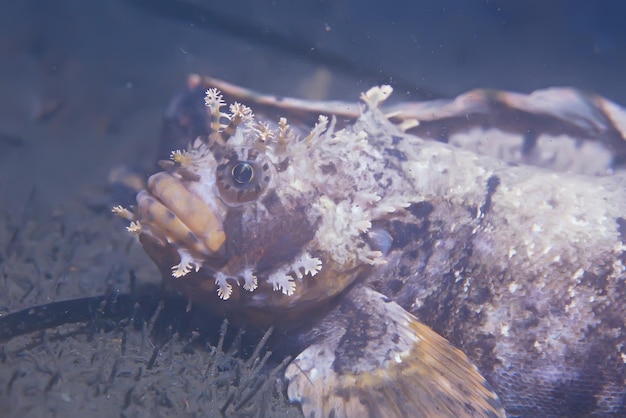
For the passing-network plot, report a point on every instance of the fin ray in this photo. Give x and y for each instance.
(371, 358)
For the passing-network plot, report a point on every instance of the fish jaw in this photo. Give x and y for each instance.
(268, 269)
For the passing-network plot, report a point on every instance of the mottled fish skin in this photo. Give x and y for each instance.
(368, 357)
(519, 267)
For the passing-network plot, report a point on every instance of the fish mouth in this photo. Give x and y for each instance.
(251, 254)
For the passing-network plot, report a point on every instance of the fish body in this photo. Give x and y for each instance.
(381, 252)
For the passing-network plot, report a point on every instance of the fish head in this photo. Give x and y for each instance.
(247, 221)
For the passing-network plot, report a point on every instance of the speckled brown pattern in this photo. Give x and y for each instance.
(518, 266)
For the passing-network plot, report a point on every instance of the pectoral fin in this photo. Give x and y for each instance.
(371, 358)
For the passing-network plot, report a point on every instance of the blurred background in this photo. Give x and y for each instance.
(84, 82)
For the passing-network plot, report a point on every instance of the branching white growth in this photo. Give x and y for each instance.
(310, 265)
(134, 228)
(376, 95)
(319, 128)
(241, 111)
(264, 132)
(250, 280)
(282, 281)
(284, 131)
(224, 289)
(181, 157)
(350, 168)
(122, 212)
(187, 263)
(214, 98)
(351, 198)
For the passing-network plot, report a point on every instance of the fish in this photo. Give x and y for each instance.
(419, 278)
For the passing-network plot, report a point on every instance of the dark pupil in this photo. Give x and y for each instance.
(242, 173)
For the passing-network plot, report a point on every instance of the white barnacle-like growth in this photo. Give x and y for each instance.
(187, 263)
(239, 115)
(283, 279)
(249, 279)
(344, 199)
(225, 289)
(241, 112)
(213, 98)
(320, 127)
(122, 212)
(181, 157)
(376, 95)
(135, 226)
(362, 186)
(307, 264)
(264, 133)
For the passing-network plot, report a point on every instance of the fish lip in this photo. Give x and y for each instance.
(177, 215)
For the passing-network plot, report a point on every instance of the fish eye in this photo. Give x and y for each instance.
(242, 172)
(241, 180)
